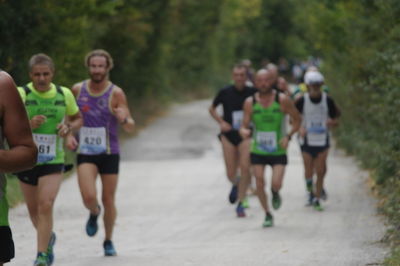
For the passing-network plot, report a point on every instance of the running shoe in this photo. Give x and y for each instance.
(324, 195)
(245, 203)
(91, 225)
(317, 206)
(276, 200)
(233, 194)
(269, 220)
(109, 249)
(50, 251)
(41, 259)
(240, 210)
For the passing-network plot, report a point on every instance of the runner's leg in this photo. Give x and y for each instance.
(245, 175)
(278, 172)
(30, 196)
(260, 185)
(109, 182)
(87, 174)
(231, 159)
(48, 188)
(320, 169)
(308, 169)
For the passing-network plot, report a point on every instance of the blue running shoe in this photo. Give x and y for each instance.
(233, 194)
(240, 210)
(109, 249)
(50, 251)
(91, 225)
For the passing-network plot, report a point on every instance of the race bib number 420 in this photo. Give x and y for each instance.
(46, 144)
(92, 140)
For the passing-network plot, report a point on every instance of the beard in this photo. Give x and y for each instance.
(98, 78)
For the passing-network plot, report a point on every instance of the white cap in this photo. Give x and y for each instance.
(313, 77)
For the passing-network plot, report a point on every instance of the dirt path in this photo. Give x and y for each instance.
(173, 209)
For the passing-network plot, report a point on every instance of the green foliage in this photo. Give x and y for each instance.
(359, 43)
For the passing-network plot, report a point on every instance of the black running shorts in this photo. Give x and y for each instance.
(232, 136)
(268, 159)
(6, 244)
(106, 163)
(313, 150)
(32, 176)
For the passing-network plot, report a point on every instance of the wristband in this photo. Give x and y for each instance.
(289, 137)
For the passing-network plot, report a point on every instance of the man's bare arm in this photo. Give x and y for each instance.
(23, 152)
(121, 110)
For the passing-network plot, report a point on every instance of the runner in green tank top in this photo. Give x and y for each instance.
(266, 110)
(53, 115)
(21, 154)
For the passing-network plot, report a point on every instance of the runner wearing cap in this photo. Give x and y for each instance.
(319, 113)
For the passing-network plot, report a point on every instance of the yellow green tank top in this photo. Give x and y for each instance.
(49, 144)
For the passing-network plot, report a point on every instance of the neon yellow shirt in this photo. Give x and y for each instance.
(71, 106)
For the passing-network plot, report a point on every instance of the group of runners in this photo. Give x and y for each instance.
(255, 132)
(45, 118)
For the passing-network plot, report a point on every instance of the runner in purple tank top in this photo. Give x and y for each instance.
(103, 106)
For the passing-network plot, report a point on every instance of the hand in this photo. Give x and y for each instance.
(120, 113)
(63, 129)
(225, 127)
(37, 121)
(245, 132)
(71, 142)
(331, 123)
(284, 142)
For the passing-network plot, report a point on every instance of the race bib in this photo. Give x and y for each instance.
(266, 141)
(46, 144)
(92, 140)
(237, 118)
(316, 132)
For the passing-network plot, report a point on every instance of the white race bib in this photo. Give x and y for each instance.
(316, 131)
(46, 144)
(266, 141)
(237, 118)
(92, 140)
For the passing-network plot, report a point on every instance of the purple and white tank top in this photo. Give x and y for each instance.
(99, 133)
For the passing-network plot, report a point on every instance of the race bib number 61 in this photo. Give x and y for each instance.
(46, 144)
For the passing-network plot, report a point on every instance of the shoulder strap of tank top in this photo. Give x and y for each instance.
(59, 90)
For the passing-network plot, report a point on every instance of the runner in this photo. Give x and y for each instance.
(53, 115)
(320, 113)
(278, 83)
(103, 105)
(235, 150)
(21, 155)
(302, 88)
(266, 110)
